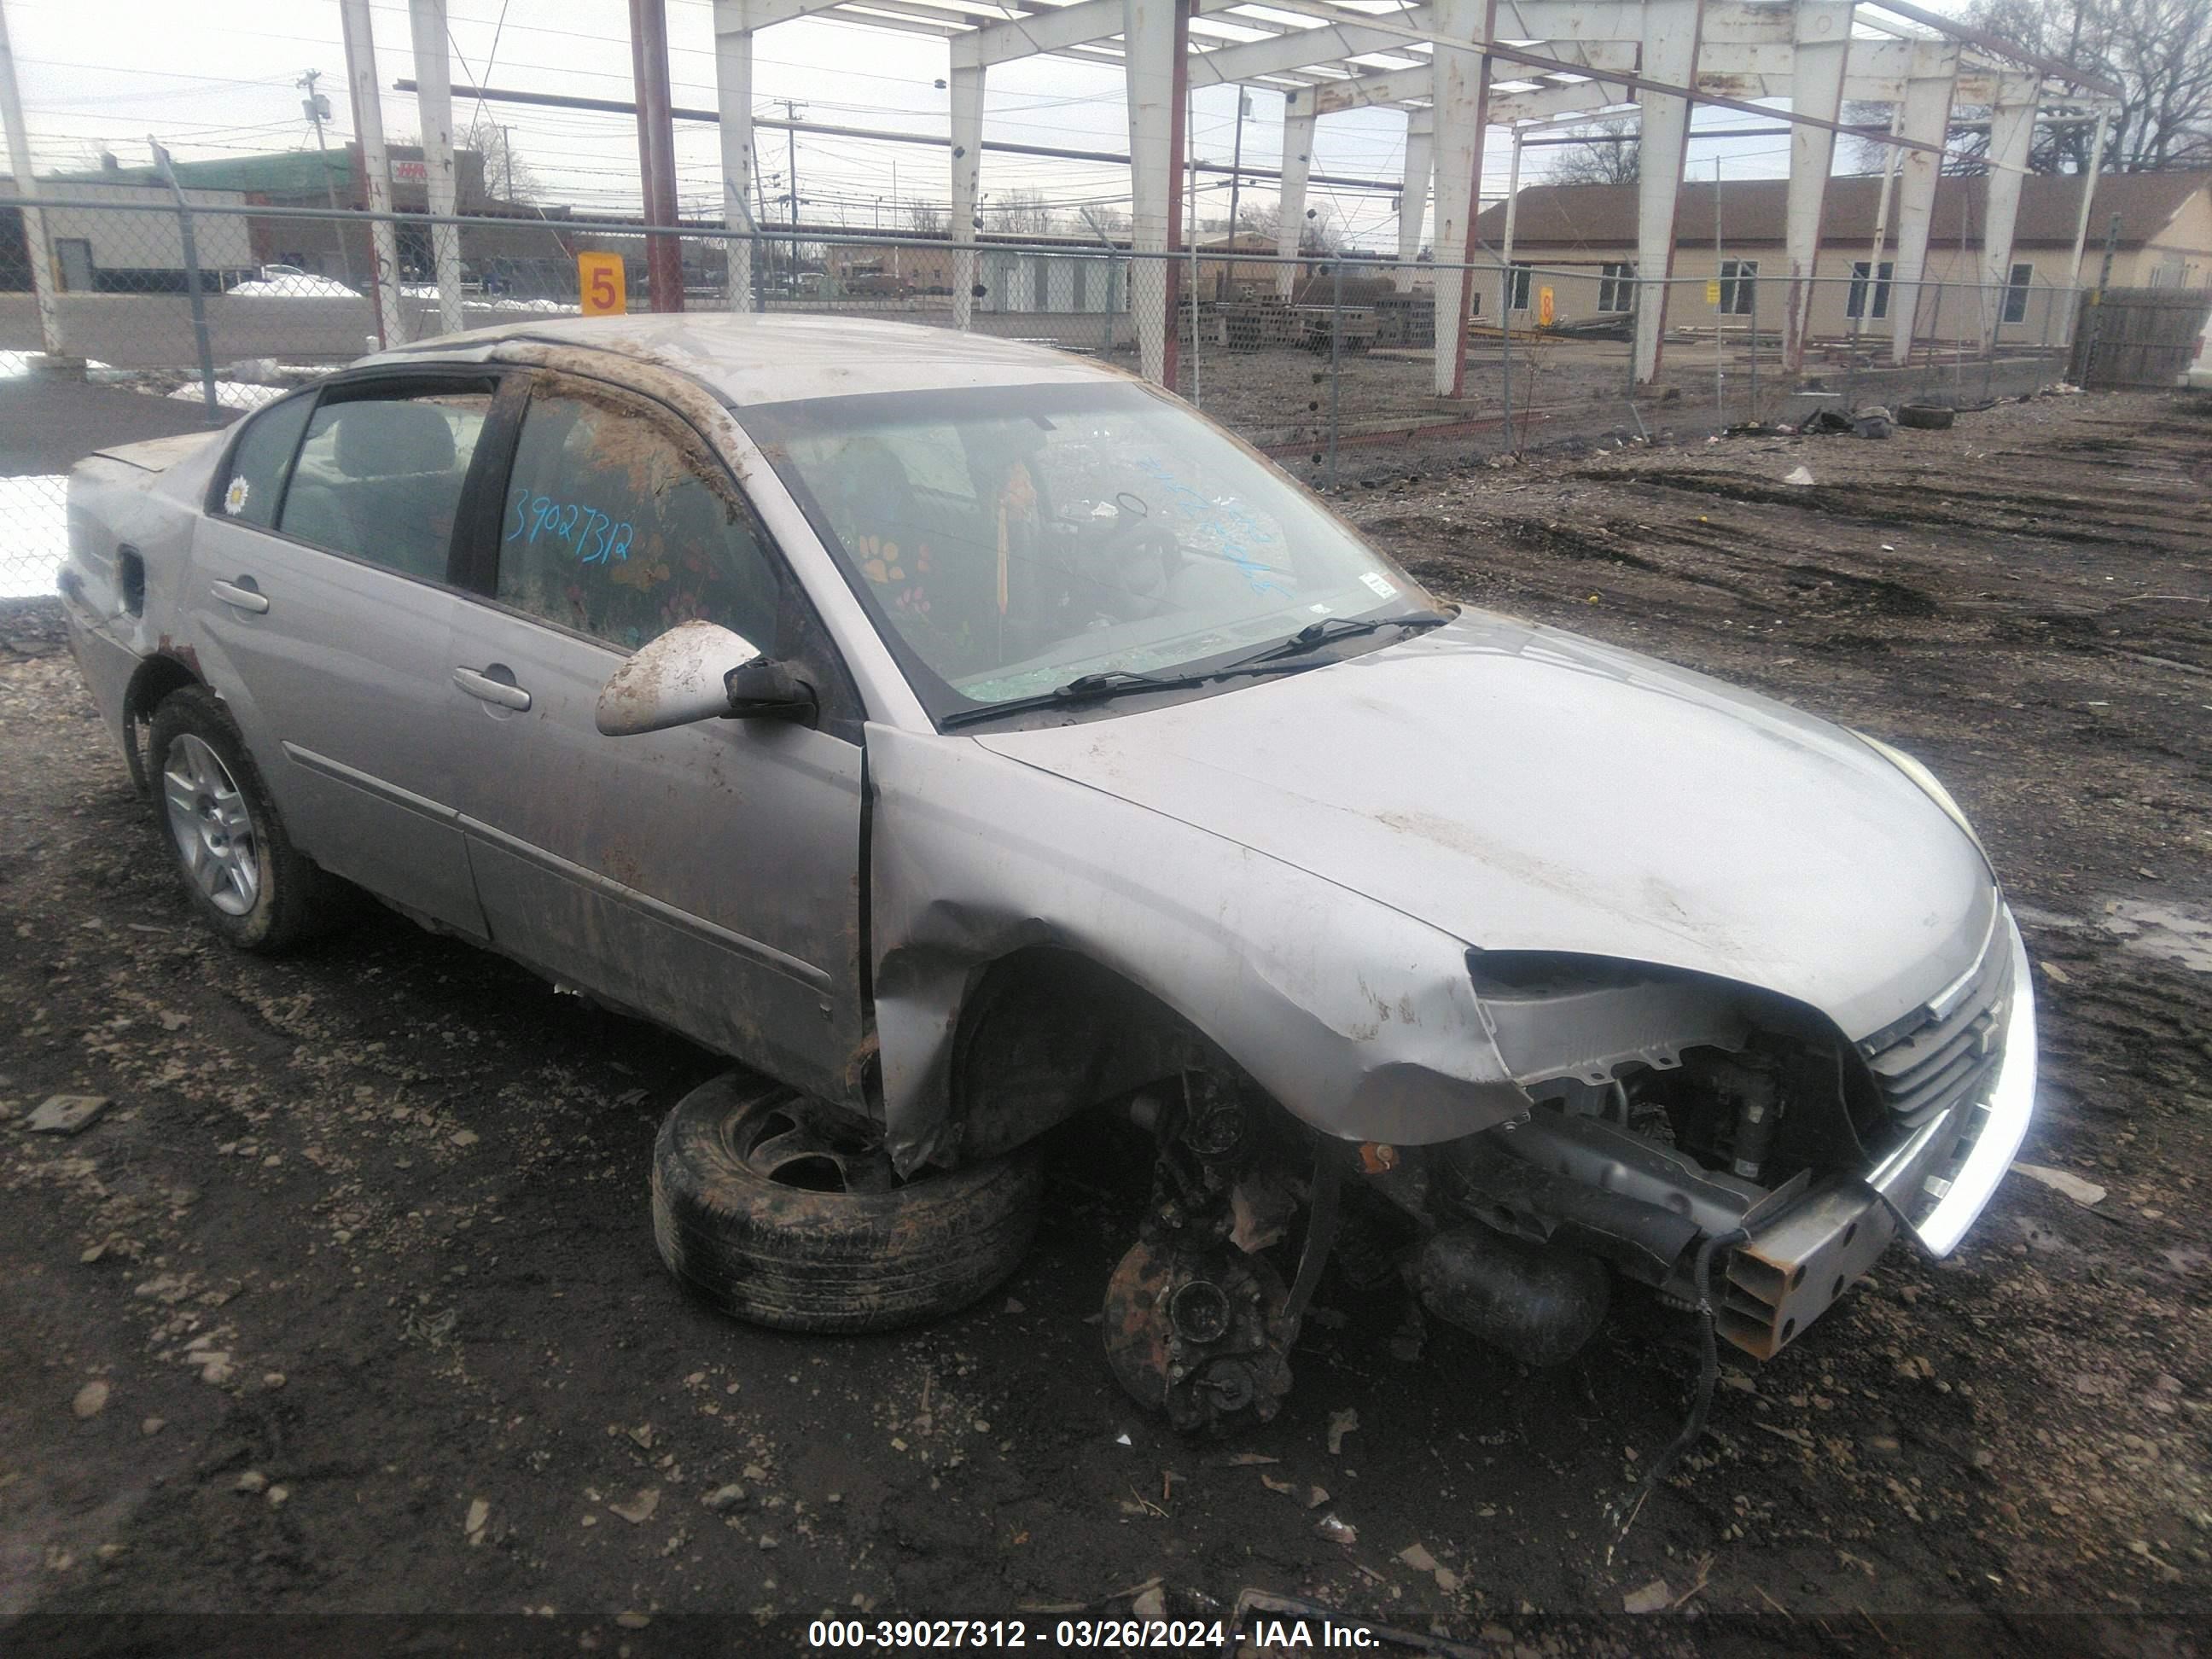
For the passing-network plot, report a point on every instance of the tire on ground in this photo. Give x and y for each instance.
(801, 1259)
(297, 900)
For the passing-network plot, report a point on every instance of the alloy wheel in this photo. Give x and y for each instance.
(213, 829)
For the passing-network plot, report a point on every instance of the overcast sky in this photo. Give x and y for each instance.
(215, 77)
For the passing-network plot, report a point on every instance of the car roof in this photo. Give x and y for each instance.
(753, 358)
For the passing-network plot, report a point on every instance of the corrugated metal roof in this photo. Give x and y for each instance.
(1567, 217)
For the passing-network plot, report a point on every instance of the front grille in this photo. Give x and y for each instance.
(1921, 1067)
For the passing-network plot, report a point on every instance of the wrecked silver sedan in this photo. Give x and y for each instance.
(966, 738)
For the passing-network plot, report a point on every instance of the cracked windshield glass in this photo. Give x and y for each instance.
(1012, 539)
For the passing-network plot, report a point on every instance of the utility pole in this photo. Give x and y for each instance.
(507, 157)
(791, 167)
(316, 107)
(1236, 179)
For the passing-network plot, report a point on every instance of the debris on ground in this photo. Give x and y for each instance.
(1654, 1597)
(2063, 1181)
(1341, 1424)
(639, 1508)
(66, 1115)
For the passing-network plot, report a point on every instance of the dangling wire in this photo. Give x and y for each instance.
(1709, 1372)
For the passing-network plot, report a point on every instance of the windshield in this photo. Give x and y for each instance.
(1010, 540)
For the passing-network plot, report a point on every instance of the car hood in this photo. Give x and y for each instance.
(1526, 789)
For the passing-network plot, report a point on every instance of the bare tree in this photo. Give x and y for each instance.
(928, 220)
(507, 176)
(1611, 155)
(1323, 232)
(1023, 212)
(2158, 51)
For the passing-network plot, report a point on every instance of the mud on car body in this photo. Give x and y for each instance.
(964, 739)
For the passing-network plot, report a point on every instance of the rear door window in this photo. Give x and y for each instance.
(380, 478)
(249, 492)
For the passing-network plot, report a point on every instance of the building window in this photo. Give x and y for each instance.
(1616, 288)
(1521, 274)
(1856, 307)
(1739, 280)
(2015, 294)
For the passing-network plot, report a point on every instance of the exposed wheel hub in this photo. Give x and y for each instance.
(1195, 1327)
(1199, 1334)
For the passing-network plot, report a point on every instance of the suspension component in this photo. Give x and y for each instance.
(1195, 1327)
(1201, 1335)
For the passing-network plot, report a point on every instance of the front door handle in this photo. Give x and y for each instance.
(506, 693)
(245, 599)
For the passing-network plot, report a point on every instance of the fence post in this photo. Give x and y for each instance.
(1812, 292)
(1635, 324)
(1336, 350)
(192, 281)
(1505, 348)
(2097, 301)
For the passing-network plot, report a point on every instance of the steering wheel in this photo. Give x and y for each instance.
(1128, 562)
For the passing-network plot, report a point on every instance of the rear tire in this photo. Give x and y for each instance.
(783, 1211)
(241, 871)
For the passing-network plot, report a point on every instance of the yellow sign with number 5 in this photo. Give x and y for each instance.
(602, 282)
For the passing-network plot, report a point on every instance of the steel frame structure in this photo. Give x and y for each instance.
(1455, 67)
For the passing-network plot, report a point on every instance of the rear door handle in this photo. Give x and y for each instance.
(504, 693)
(245, 599)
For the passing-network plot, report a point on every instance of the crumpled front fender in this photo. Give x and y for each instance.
(1360, 1020)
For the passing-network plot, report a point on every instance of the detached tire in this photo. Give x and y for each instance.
(246, 878)
(784, 1211)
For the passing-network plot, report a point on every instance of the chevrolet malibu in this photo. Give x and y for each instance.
(965, 738)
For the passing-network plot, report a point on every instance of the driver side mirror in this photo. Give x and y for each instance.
(698, 671)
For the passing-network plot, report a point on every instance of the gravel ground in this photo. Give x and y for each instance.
(348, 1303)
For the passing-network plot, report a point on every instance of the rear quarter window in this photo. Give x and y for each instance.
(249, 489)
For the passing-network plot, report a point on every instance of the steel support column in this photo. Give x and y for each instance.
(1460, 93)
(1299, 119)
(734, 101)
(1155, 36)
(656, 151)
(1926, 116)
(1413, 198)
(967, 82)
(375, 165)
(2088, 195)
(433, 105)
(2012, 135)
(1671, 30)
(36, 248)
(1824, 43)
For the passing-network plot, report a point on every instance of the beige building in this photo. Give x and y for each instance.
(1579, 240)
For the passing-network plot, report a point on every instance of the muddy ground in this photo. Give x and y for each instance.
(349, 1303)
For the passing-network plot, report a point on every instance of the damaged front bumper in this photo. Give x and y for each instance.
(1936, 1183)
(1967, 1074)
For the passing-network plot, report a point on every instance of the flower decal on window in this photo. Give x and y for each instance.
(234, 499)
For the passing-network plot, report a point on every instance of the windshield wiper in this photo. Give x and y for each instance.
(1329, 629)
(1111, 683)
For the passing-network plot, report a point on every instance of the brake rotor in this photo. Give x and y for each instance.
(1201, 1335)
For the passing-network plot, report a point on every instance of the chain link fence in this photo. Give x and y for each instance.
(1328, 364)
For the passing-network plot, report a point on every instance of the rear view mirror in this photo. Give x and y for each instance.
(678, 679)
